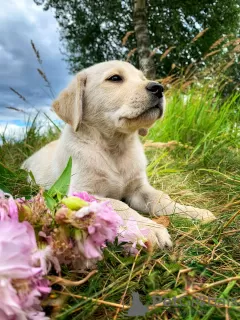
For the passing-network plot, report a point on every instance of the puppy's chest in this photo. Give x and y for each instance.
(129, 167)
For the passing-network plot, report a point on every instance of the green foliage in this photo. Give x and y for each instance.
(203, 125)
(12, 181)
(6, 176)
(62, 184)
(92, 30)
(13, 152)
(60, 188)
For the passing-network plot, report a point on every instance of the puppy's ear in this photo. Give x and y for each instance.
(69, 104)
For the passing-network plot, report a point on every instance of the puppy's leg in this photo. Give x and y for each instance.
(149, 200)
(158, 234)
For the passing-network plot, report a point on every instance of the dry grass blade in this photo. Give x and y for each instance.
(167, 80)
(231, 219)
(98, 301)
(236, 42)
(18, 94)
(125, 38)
(159, 145)
(231, 232)
(37, 53)
(189, 67)
(199, 35)
(160, 292)
(166, 53)
(235, 201)
(130, 54)
(187, 84)
(182, 271)
(193, 291)
(227, 44)
(41, 72)
(229, 64)
(66, 282)
(207, 300)
(43, 75)
(233, 42)
(218, 42)
(237, 48)
(15, 109)
(211, 53)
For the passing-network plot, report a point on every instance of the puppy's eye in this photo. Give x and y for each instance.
(115, 78)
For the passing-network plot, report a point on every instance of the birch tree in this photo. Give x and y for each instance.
(146, 61)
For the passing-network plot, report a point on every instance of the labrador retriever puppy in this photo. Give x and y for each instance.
(104, 108)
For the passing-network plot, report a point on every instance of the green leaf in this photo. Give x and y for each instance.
(50, 202)
(60, 188)
(62, 184)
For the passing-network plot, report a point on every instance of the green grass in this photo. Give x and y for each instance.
(202, 170)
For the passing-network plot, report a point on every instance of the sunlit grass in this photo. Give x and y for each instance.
(202, 169)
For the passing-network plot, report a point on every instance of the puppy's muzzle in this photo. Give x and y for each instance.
(156, 89)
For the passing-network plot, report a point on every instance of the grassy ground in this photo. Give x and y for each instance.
(201, 169)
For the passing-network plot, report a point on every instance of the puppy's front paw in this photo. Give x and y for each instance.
(200, 214)
(158, 234)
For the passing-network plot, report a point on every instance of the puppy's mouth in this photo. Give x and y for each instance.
(151, 114)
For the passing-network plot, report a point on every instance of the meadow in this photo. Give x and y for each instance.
(199, 165)
(193, 155)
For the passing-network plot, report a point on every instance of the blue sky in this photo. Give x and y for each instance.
(20, 22)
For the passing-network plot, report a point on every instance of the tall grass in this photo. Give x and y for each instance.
(201, 168)
(202, 122)
(14, 151)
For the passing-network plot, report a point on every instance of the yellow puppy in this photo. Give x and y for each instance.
(104, 107)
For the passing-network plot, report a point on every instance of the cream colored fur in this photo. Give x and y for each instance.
(103, 118)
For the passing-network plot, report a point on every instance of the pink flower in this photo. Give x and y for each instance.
(20, 298)
(8, 207)
(42, 285)
(9, 303)
(16, 246)
(103, 227)
(48, 239)
(21, 282)
(84, 196)
(134, 236)
(91, 250)
(30, 296)
(45, 259)
(36, 315)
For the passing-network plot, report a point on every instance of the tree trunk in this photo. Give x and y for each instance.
(143, 43)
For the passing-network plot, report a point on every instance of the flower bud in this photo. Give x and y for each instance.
(74, 203)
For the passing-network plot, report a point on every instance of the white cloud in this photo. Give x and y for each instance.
(20, 22)
(12, 131)
(45, 120)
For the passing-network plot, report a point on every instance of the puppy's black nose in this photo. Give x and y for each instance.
(155, 88)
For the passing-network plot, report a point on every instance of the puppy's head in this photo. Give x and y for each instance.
(111, 96)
